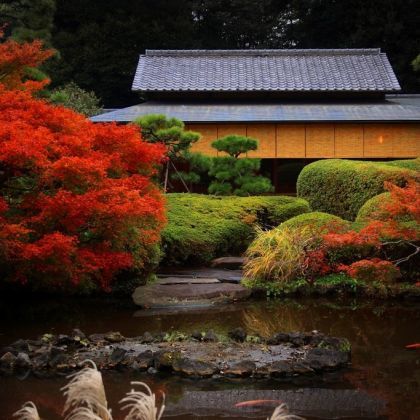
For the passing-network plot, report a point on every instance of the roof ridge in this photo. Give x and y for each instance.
(259, 52)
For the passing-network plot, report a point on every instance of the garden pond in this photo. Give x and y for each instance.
(383, 381)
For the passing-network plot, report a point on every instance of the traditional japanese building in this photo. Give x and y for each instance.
(301, 105)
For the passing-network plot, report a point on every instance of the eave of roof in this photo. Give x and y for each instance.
(268, 112)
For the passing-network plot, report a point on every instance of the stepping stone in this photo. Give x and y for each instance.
(225, 276)
(160, 295)
(229, 263)
(186, 280)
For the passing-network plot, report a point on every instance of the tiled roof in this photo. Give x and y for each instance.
(342, 70)
(269, 112)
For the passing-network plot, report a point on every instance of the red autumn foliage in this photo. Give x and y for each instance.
(374, 269)
(357, 252)
(77, 202)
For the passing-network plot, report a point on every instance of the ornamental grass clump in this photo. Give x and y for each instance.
(278, 254)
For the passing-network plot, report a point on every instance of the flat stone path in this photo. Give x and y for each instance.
(164, 295)
(224, 276)
(192, 287)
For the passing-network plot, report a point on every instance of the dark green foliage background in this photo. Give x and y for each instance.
(99, 41)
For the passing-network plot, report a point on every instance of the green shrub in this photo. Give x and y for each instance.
(413, 164)
(341, 187)
(372, 210)
(202, 227)
(317, 222)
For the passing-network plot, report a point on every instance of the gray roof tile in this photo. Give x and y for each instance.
(269, 112)
(265, 70)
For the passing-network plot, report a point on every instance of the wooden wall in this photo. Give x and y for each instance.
(318, 140)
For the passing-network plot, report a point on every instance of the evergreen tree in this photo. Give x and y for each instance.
(171, 133)
(234, 175)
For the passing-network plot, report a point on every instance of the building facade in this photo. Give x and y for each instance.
(301, 105)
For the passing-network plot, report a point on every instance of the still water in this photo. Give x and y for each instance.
(383, 381)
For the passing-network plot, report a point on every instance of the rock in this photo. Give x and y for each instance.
(302, 368)
(152, 371)
(278, 338)
(117, 356)
(63, 340)
(144, 360)
(147, 338)
(57, 356)
(23, 361)
(159, 295)
(164, 359)
(210, 337)
(238, 334)
(20, 346)
(97, 338)
(194, 368)
(241, 369)
(78, 334)
(298, 339)
(229, 263)
(197, 335)
(280, 368)
(322, 358)
(114, 337)
(7, 362)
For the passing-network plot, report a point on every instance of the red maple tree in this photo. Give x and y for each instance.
(77, 204)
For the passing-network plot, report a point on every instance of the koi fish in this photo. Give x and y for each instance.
(253, 403)
(413, 346)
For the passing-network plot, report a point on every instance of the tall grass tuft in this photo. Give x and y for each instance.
(282, 413)
(86, 390)
(27, 412)
(277, 254)
(142, 405)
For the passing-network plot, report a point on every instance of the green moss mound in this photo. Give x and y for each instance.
(341, 187)
(319, 221)
(412, 164)
(202, 227)
(371, 210)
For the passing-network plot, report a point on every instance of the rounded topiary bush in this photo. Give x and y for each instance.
(202, 227)
(318, 222)
(341, 187)
(373, 208)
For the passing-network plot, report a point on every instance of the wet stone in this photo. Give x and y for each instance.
(210, 337)
(164, 359)
(23, 361)
(20, 346)
(147, 338)
(238, 334)
(240, 369)
(280, 368)
(197, 335)
(194, 368)
(117, 356)
(321, 358)
(144, 360)
(114, 337)
(277, 339)
(7, 362)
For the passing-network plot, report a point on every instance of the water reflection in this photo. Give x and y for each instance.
(382, 369)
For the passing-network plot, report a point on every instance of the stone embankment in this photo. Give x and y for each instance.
(200, 355)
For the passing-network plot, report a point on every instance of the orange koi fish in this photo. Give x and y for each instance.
(413, 346)
(253, 403)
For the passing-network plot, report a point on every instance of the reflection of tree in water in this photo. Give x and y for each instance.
(378, 333)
